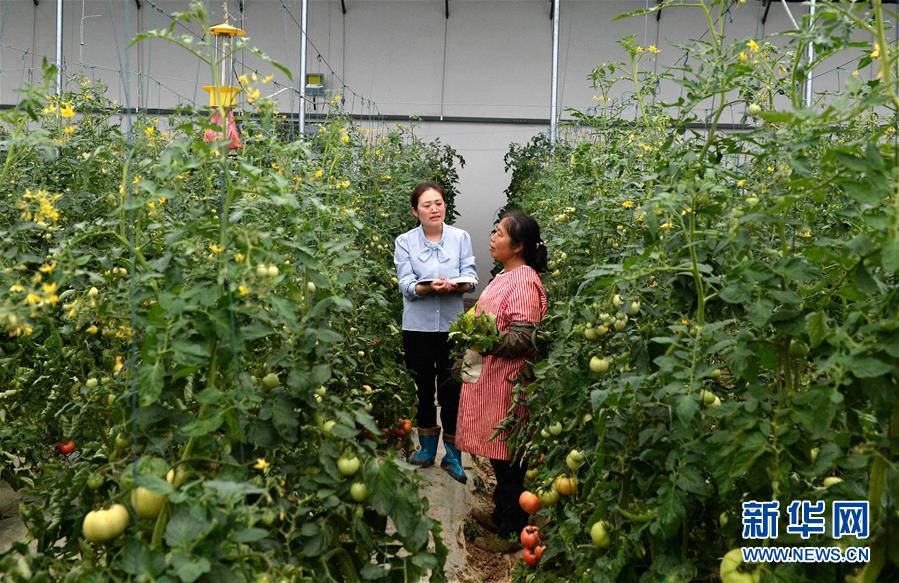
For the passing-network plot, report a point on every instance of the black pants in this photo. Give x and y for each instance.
(428, 359)
(507, 514)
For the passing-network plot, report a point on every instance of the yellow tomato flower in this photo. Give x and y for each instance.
(268, 79)
(743, 56)
(150, 131)
(639, 50)
(243, 80)
(243, 290)
(319, 173)
(32, 299)
(628, 204)
(741, 183)
(215, 248)
(875, 54)
(261, 464)
(653, 49)
(67, 111)
(92, 329)
(69, 130)
(47, 267)
(753, 46)
(344, 138)
(239, 257)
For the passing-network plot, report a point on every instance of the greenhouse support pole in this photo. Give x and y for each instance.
(811, 57)
(553, 126)
(59, 48)
(304, 19)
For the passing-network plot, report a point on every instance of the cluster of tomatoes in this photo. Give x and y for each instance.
(531, 537)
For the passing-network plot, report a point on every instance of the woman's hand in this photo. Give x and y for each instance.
(442, 286)
(423, 289)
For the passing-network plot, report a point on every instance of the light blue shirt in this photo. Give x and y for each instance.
(416, 258)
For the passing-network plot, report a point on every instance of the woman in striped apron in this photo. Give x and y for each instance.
(517, 298)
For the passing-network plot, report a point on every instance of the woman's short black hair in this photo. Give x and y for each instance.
(424, 187)
(524, 230)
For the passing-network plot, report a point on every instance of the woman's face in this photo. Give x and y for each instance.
(501, 246)
(431, 209)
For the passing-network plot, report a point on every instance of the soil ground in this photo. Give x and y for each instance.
(451, 504)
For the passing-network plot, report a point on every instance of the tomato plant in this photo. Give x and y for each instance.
(721, 304)
(218, 330)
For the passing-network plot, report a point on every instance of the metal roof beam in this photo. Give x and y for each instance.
(767, 8)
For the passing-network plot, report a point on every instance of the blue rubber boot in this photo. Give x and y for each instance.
(427, 438)
(452, 461)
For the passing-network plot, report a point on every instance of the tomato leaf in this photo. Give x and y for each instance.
(686, 407)
(188, 524)
(817, 328)
(190, 567)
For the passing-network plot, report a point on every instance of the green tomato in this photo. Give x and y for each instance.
(358, 492)
(589, 333)
(574, 460)
(147, 503)
(91, 383)
(729, 569)
(555, 428)
(708, 397)
(348, 466)
(100, 526)
(754, 109)
(271, 380)
(598, 365)
(600, 535)
(548, 497)
(94, 481)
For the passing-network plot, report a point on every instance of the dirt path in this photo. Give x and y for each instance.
(12, 529)
(450, 504)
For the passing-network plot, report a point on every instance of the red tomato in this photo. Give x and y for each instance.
(538, 550)
(529, 502)
(65, 448)
(530, 558)
(530, 536)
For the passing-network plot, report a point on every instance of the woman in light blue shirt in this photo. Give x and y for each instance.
(428, 260)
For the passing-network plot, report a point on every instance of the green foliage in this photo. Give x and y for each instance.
(758, 267)
(166, 304)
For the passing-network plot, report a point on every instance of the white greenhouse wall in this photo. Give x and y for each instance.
(490, 59)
